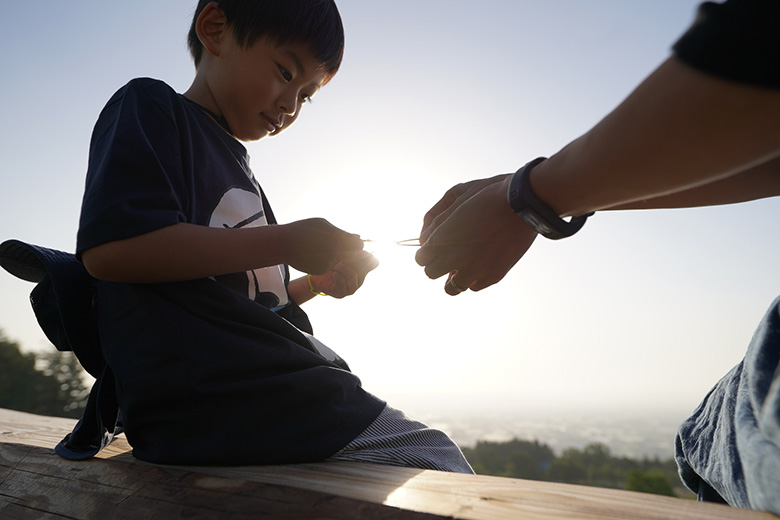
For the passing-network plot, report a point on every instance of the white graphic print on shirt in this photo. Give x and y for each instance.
(240, 208)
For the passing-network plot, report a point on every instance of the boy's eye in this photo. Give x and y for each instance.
(285, 73)
(305, 98)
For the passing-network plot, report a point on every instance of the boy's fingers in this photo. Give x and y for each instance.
(363, 261)
(353, 242)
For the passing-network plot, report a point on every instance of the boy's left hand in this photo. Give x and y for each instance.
(347, 277)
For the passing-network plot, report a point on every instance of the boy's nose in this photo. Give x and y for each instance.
(287, 105)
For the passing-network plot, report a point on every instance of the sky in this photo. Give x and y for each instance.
(641, 310)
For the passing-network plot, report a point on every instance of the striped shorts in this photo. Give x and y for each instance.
(396, 440)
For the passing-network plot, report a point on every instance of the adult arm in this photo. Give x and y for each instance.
(756, 183)
(679, 132)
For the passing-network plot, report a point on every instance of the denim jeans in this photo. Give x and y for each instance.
(729, 449)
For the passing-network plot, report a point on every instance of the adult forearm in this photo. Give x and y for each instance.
(756, 183)
(679, 130)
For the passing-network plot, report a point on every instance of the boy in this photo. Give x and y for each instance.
(197, 318)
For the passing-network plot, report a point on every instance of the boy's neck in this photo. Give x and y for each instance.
(220, 120)
(199, 95)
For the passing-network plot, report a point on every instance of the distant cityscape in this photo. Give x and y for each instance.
(629, 434)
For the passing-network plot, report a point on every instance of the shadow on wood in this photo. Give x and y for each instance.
(34, 482)
(37, 484)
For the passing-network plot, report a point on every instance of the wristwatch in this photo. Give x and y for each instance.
(541, 217)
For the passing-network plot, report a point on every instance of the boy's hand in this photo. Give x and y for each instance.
(316, 246)
(346, 277)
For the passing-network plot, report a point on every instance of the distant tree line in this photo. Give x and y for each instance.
(593, 465)
(48, 384)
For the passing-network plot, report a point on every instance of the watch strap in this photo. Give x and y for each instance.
(538, 215)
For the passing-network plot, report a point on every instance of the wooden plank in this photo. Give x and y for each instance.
(484, 497)
(36, 482)
(116, 484)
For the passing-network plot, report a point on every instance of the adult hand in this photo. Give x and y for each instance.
(316, 246)
(476, 238)
(346, 277)
(454, 197)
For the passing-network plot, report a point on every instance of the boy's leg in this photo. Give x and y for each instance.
(396, 440)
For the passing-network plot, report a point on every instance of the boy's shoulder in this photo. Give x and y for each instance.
(144, 99)
(149, 86)
(153, 90)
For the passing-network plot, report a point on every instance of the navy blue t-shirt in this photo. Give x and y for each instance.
(206, 372)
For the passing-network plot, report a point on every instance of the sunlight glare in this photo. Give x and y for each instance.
(389, 248)
(380, 248)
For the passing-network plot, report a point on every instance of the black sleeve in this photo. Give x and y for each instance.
(134, 176)
(738, 40)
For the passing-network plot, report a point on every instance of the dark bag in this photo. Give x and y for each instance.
(63, 304)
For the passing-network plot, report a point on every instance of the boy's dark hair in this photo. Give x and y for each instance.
(313, 22)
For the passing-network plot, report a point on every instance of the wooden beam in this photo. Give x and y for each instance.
(36, 483)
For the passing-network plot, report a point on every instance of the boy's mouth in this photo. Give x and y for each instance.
(271, 125)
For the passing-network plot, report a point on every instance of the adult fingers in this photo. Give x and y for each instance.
(442, 205)
(450, 202)
(452, 287)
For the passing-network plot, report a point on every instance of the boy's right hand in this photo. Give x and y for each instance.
(315, 245)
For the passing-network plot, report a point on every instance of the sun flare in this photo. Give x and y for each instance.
(388, 248)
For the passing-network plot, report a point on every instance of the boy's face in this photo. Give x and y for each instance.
(260, 90)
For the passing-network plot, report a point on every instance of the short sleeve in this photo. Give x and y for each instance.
(738, 40)
(135, 176)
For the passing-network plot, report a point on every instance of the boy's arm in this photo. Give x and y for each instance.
(299, 290)
(343, 280)
(187, 251)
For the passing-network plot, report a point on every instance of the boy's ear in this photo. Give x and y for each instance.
(211, 28)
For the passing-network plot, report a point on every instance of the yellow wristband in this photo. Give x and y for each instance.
(311, 287)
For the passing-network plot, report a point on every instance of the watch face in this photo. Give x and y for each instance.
(537, 223)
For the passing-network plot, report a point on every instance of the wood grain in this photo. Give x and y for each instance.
(35, 483)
